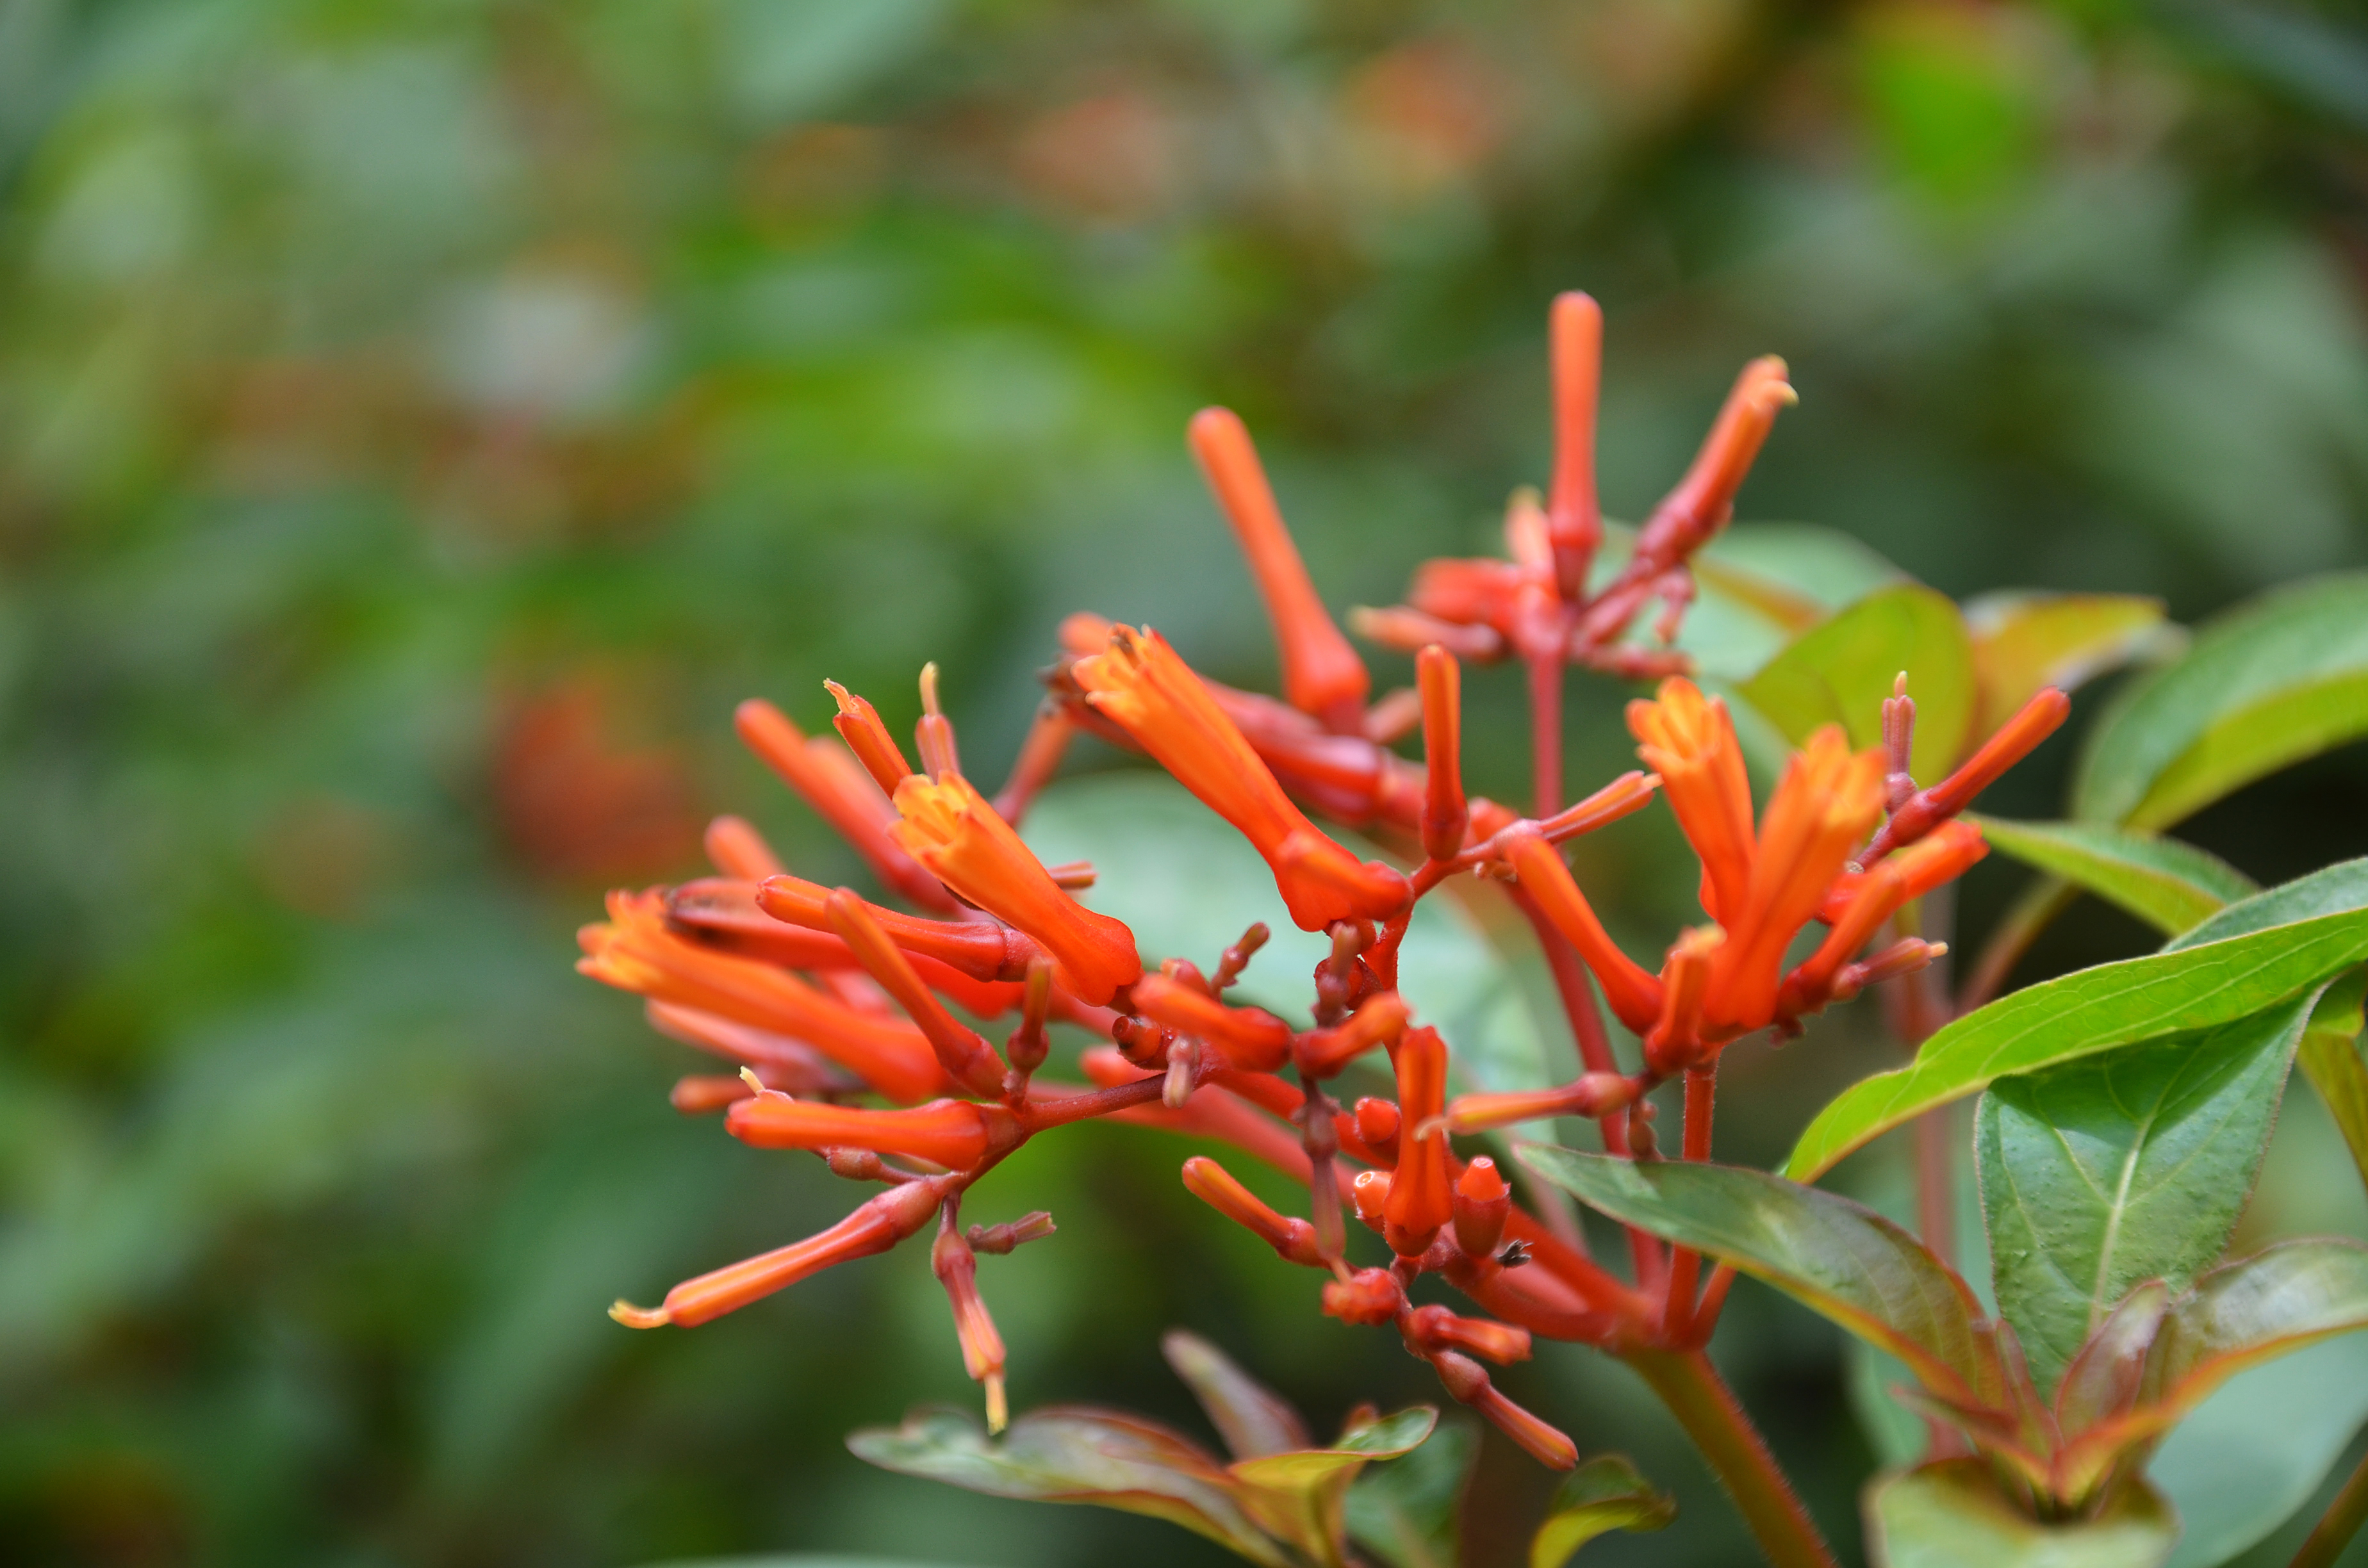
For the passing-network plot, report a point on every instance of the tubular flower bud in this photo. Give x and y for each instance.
(979, 948)
(2033, 722)
(858, 724)
(843, 794)
(634, 952)
(1634, 995)
(738, 850)
(1321, 674)
(967, 1058)
(951, 830)
(732, 916)
(703, 1094)
(1250, 1038)
(1419, 1202)
(1905, 956)
(878, 1226)
(1380, 1019)
(1370, 1191)
(1445, 814)
(956, 1266)
(1469, 1382)
(1293, 1239)
(1430, 1330)
(1139, 683)
(1676, 1041)
(1688, 740)
(1033, 1226)
(1377, 1127)
(1941, 855)
(933, 736)
(1482, 1202)
(1573, 524)
(956, 1134)
(784, 1064)
(1411, 632)
(1824, 804)
(1589, 1095)
(1369, 1297)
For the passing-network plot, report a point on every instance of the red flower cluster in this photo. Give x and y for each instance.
(827, 1001)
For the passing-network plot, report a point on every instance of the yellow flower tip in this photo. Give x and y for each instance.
(631, 1316)
(998, 1407)
(929, 690)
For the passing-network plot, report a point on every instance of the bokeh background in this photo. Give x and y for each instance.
(421, 420)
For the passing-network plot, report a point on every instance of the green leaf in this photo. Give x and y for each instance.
(1761, 584)
(2256, 1449)
(1302, 1496)
(2244, 1313)
(2330, 1059)
(1188, 885)
(1077, 1456)
(2023, 642)
(2129, 1167)
(1252, 1418)
(2167, 884)
(2279, 678)
(2084, 1013)
(1404, 1511)
(1841, 673)
(1950, 1514)
(1841, 1260)
(2331, 890)
(1607, 1493)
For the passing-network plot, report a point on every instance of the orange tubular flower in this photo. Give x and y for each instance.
(956, 1266)
(2033, 722)
(1676, 1041)
(949, 827)
(875, 1227)
(859, 725)
(1482, 1202)
(1321, 674)
(1824, 806)
(1445, 815)
(634, 952)
(967, 1058)
(738, 849)
(843, 794)
(1634, 997)
(956, 1134)
(1688, 740)
(1419, 1199)
(979, 948)
(1250, 1038)
(1573, 522)
(1941, 855)
(1139, 683)
(1209, 1182)
(1588, 1095)
(1380, 1019)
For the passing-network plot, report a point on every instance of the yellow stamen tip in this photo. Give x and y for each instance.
(998, 1408)
(631, 1316)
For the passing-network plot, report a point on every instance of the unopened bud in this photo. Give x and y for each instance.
(1377, 1124)
(1372, 1190)
(1434, 1329)
(1369, 1296)
(1482, 1203)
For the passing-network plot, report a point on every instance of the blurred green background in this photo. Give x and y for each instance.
(421, 420)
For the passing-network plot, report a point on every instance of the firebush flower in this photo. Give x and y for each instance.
(852, 1018)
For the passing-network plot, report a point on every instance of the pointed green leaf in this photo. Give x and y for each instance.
(2170, 885)
(2331, 890)
(1077, 1456)
(1607, 1493)
(1404, 1511)
(2026, 641)
(2090, 1011)
(2129, 1167)
(1841, 1260)
(1300, 1498)
(1251, 1418)
(2330, 1059)
(1841, 673)
(1950, 1514)
(2279, 678)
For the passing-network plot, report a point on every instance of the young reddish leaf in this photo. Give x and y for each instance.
(1842, 1261)
(1252, 1418)
(1607, 1493)
(2026, 641)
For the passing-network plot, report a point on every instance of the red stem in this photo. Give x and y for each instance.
(1685, 1265)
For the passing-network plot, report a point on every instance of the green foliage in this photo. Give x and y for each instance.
(1605, 1493)
(1840, 672)
(1407, 1512)
(1951, 1514)
(2116, 1169)
(2165, 883)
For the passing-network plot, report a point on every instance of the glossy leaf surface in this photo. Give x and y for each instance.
(1606, 1493)
(1300, 1496)
(1841, 673)
(2081, 1014)
(1404, 1511)
(2023, 642)
(1077, 1456)
(1840, 1259)
(2170, 885)
(2128, 1167)
(2280, 679)
(2330, 890)
(1950, 1514)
